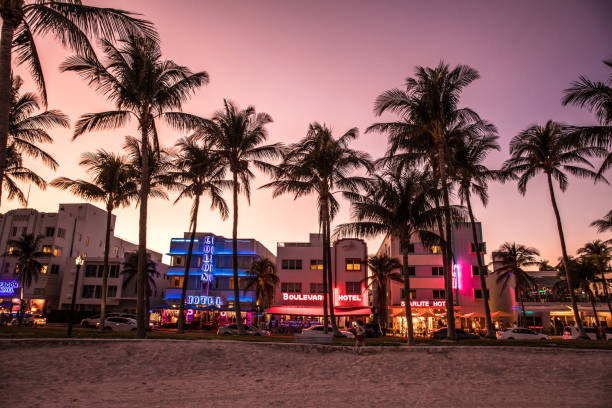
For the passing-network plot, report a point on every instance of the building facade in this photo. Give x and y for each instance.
(299, 266)
(75, 230)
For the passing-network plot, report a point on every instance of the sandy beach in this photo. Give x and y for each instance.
(184, 374)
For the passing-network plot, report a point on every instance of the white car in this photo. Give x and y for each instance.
(317, 330)
(571, 333)
(520, 333)
(94, 321)
(116, 323)
(232, 329)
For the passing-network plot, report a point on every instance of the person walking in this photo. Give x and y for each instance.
(360, 332)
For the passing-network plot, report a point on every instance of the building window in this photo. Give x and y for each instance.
(412, 293)
(316, 264)
(24, 230)
(482, 246)
(439, 294)
(13, 231)
(115, 251)
(231, 283)
(114, 271)
(47, 249)
(7, 267)
(410, 248)
(316, 288)
(49, 231)
(436, 249)
(57, 251)
(54, 269)
(411, 271)
(177, 260)
(86, 241)
(485, 270)
(61, 233)
(88, 291)
(112, 291)
(478, 293)
(91, 270)
(43, 269)
(291, 287)
(98, 293)
(353, 264)
(353, 288)
(291, 264)
(176, 282)
(10, 250)
(437, 271)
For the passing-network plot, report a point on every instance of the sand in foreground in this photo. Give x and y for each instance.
(222, 374)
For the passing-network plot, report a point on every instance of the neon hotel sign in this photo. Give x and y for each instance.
(208, 252)
(8, 287)
(315, 297)
(425, 303)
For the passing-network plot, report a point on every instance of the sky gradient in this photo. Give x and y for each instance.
(327, 61)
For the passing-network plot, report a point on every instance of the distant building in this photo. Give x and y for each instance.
(76, 229)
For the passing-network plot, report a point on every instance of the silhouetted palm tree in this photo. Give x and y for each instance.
(600, 254)
(143, 87)
(430, 123)
(197, 170)
(399, 205)
(14, 172)
(130, 271)
(113, 183)
(597, 97)
(238, 137)
(262, 277)
(71, 23)
(320, 164)
(604, 224)
(383, 269)
(511, 259)
(551, 150)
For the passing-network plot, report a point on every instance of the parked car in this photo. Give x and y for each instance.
(28, 320)
(520, 333)
(317, 330)
(93, 321)
(119, 324)
(232, 329)
(441, 334)
(571, 333)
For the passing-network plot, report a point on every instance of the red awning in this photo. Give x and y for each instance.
(317, 311)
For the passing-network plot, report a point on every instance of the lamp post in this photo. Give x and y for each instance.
(79, 261)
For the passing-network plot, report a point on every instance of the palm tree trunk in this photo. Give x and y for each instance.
(565, 258)
(6, 47)
(194, 226)
(383, 307)
(448, 256)
(483, 281)
(142, 228)
(523, 311)
(326, 290)
(109, 215)
(605, 289)
(410, 338)
(235, 258)
(592, 296)
(327, 245)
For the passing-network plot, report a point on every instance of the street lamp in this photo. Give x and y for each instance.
(79, 261)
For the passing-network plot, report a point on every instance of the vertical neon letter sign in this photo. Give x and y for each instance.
(208, 257)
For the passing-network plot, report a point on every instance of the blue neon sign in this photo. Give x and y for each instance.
(208, 258)
(9, 287)
(204, 300)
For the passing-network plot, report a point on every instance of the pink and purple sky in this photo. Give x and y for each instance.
(304, 61)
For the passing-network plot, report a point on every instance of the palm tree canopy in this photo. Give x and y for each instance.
(113, 180)
(262, 276)
(71, 23)
(14, 172)
(603, 224)
(383, 269)
(598, 252)
(130, 271)
(548, 149)
(512, 258)
(583, 274)
(26, 250)
(160, 167)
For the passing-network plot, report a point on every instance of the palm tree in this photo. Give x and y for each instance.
(143, 87)
(319, 164)
(112, 184)
(430, 122)
(262, 277)
(197, 170)
(597, 97)
(237, 137)
(599, 254)
(130, 272)
(71, 23)
(15, 171)
(399, 205)
(544, 265)
(604, 224)
(550, 149)
(472, 177)
(512, 258)
(28, 266)
(383, 269)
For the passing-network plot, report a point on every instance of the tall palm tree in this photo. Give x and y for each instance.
(430, 121)
(27, 251)
(551, 150)
(600, 255)
(472, 177)
(130, 271)
(383, 270)
(198, 170)
(71, 23)
(262, 277)
(597, 97)
(604, 224)
(238, 136)
(14, 172)
(320, 164)
(399, 205)
(145, 88)
(512, 258)
(112, 184)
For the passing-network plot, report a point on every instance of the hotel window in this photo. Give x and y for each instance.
(24, 230)
(10, 250)
(436, 249)
(316, 288)
(86, 241)
(54, 269)
(13, 231)
(291, 264)
(61, 233)
(475, 270)
(316, 264)
(57, 251)
(112, 291)
(353, 264)
(231, 283)
(88, 291)
(410, 248)
(47, 249)
(411, 271)
(291, 287)
(43, 269)
(114, 271)
(412, 294)
(439, 294)
(478, 293)
(98, 293)
(482, 246)
(91, 270)
(100, 270)
(115, 251)
(176, 282)
(437, 271)
(177, 260)
(353, 288)
(49, 231)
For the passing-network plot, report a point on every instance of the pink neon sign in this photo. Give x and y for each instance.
(425, 303)
(316, 297)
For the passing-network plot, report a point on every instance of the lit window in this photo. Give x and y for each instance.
(47, 249)
(353, 264)
(316, 264)
(10, 250)
(86, 241)
(436, 249)
(57, 251)
(43, 269)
